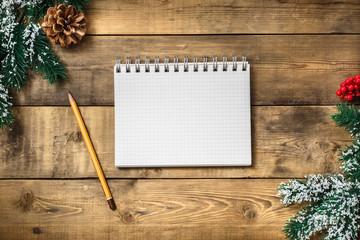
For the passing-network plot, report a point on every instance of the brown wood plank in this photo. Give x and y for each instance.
(287, 142)
(285, 70)
(222, 17)
(146, 209)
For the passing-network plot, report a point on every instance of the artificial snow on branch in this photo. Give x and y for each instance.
(333, 200)
(7, 116)
(24, 46)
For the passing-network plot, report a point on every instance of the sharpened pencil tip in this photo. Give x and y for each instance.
(71, 99)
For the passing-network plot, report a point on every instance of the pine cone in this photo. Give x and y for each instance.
(64, 25)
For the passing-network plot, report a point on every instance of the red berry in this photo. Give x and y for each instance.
(351, 79)
(338, 92)
(347, 81)
(356, 87)
(342, 84)
(343, 89)
(357, 81)
(349, 97)
(351, 88)
(342, 96)
(357, 76)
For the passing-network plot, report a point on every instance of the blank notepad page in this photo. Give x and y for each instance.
(182, 118)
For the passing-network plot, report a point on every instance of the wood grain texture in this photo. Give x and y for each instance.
(287, 142)
(222, 17)
(285, 70)
(146, 209)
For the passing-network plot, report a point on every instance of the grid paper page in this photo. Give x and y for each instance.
(182, 118)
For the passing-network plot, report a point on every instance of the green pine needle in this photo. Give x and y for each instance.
(334, 200)
(38, 11)
(78, 4)
(6, 113)
(294, 229)
(46, 62)
(14, 64)
(349, 118)
(23, 44)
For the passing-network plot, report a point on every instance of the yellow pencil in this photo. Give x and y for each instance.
(92, 153)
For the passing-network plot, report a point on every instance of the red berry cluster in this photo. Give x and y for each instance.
(350, 88)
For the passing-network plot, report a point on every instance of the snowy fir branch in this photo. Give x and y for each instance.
(7, 116)
(23, 46)
(78, 4)
(40, 56)
(349, 161)
(37, 10)
(14, 66)
(333, 204)
(334, 207)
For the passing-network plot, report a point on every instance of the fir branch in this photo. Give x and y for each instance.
(300, 226)
(78, 4)
(13, 64)
(46, 62)
(349, 118)
(336, 211)
(40, 56)
(6, 114)
(349, 160)
(345, 229)
(2, 51)
(37, 10)
(22, 47)
(336, 218)
(297, 191)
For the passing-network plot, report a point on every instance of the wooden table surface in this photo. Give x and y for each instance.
(299, 52)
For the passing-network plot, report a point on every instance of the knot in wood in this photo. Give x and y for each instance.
(26, 200)
(249, 211)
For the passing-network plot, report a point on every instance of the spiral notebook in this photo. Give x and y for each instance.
(173, 114)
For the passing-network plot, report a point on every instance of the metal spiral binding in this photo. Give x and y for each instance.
(244, 63)
(147, 64)
(128, 62)
(234, 68)
(157, 68)
(196, 64)
(176, 64)
(166, 64)
(224, 63)
(118, 62)
(185, 64)
(137, 64)
(205, 64)
(215, 64)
